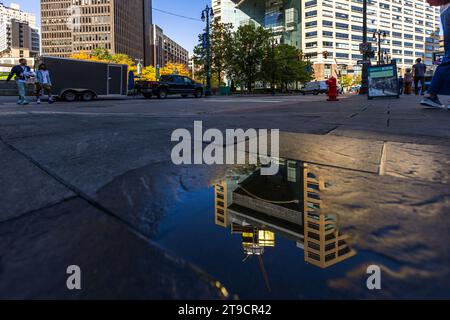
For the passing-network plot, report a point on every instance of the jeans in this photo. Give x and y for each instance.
(418, 80)
(22, 87)
(441, 80)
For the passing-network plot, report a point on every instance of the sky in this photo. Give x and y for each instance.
(183, 31)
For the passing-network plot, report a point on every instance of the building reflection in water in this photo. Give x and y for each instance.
(289, 204)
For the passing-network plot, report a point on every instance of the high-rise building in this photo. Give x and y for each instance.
(121, 26)
(19, 37)
(335, 27)
(18, 40)
(14, 12)
(282, 17)
(166, 50)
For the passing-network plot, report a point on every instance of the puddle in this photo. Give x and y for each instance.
(309, 232)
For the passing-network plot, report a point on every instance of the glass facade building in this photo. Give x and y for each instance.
(318, 26)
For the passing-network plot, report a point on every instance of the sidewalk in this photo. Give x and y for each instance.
(90, 188)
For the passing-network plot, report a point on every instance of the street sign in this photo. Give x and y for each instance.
(363, 62)
(365, 47)
(438, 57)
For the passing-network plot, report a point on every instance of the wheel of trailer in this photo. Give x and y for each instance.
(162, 94)
(87, 96)
(147, 95)
(198, 93)
(70, 96)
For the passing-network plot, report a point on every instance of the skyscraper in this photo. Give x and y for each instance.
(121, 26)
(335, 27)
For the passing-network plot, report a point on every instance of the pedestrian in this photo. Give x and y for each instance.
(43, 83)
(419, 71)
(441, 79)
(401, 85)
(408, 82)
(21, 73)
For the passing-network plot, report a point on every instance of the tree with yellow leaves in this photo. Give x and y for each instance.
(102, 55)
(175, 68)
(149, 73)
(82, 55)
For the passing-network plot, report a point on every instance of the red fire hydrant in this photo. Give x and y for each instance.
(332, 89)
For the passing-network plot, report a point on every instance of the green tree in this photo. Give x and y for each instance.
(250, 47)
(200, 59)
(221, 48)
(283, 65)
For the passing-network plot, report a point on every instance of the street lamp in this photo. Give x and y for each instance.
(366, 60)
(207, 14)
(377, 35)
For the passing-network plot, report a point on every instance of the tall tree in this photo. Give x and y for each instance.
(221, 47)
(250, 46)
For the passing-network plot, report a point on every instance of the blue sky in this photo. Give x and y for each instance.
(181, 30)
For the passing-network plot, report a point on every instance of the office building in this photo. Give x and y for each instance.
(335, 28)
(282, 17)
(166, 50)
(18, 40)
(121, 26)
(19, 37)
(14, 12)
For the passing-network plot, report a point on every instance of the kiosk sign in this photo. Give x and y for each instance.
(383, 81)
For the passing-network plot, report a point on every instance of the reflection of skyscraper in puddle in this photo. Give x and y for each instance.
(288, 204)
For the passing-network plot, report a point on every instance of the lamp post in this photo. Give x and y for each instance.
(377, 35)
(364, 76)
(207, 13)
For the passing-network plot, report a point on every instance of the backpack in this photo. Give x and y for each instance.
(436, 3)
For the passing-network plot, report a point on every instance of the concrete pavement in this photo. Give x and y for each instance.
(82, 182)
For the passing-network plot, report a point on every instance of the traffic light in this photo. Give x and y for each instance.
(325, 54)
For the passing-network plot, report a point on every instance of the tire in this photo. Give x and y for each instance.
(184, 95)
(198, 93)
(162, 94)
(70, 96)
(147, 95)
(87, 96)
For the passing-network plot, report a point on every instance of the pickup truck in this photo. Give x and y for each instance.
(169, 84)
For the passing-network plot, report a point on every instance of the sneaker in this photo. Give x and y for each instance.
(432, 102)
(38, 101)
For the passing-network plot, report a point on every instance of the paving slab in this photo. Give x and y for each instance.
(25, 187)
(115, 263)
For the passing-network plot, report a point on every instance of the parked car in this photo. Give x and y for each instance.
(315, 87)
(170, 84)
(80, 79)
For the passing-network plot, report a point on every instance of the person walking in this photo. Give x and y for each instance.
(401, 85)
(419, 71)
(441, 79)
(43, 83)
(21, 73)
(408, 82)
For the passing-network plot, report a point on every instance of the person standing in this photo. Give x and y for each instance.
(441, 79)
(408, 82)
(401, 85)
(43, 83)
(21, 73)
(419, 71)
